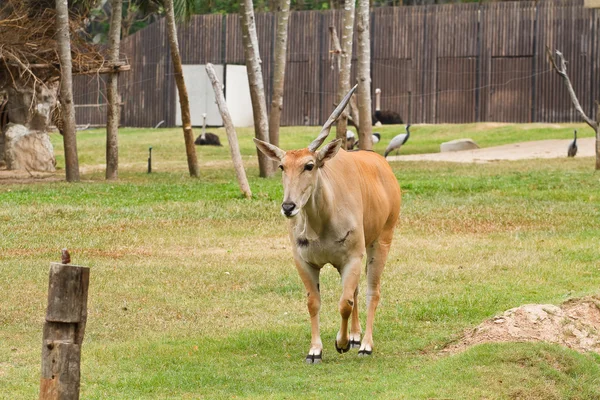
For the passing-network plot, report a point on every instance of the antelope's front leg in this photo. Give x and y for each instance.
(350, 274)
(310, 276)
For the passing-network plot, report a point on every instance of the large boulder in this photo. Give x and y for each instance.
(28, 150)
(458, 145)
(31, 107)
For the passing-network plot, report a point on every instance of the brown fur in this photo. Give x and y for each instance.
(348, 207)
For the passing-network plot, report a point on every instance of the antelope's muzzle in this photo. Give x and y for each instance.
(289, 209)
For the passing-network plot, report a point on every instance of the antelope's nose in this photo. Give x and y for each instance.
(288, 208)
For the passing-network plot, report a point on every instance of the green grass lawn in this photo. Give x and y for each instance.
(193, 291)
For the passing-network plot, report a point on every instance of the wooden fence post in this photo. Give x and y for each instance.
(66, 317)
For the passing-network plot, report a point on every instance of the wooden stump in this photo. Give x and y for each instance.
(66, 318)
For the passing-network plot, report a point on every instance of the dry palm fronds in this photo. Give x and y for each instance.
(28, 49)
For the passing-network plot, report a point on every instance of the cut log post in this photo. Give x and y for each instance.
(234, 148)
(66, 318)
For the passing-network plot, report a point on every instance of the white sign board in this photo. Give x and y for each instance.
(201, 95)
(237, 95)
(591, 3)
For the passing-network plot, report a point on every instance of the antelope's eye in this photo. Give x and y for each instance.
(309, 167)
(281, 167)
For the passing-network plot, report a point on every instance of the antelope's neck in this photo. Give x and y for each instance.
(318, 209)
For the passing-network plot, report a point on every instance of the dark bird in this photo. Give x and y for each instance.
(573, 146)
(66, 257)
(397, 141)
(386, 117)
(376, 137)
(352, 142)
(207, 138)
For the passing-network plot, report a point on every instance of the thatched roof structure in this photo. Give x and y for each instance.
(28, 50)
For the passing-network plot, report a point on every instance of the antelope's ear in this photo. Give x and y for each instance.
(328, 151)
(273, 152)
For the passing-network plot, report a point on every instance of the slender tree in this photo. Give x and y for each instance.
(234, 147)
(364, 76)
(255, 79)
(561, 70)
(282, 15)
(345, 66)
(113, 109)
(63, 40)
(184, 101)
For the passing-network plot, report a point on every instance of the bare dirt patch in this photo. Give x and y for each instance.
(517, 151)
(574, 324)
(7, 176)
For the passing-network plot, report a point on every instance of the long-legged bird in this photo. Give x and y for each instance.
(397, 141)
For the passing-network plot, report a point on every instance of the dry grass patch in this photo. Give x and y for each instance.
(180, 264)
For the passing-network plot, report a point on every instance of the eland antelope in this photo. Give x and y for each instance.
(340, 206)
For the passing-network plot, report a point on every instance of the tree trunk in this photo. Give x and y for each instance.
(112, 91)
(597, 136)
(234, 148)
(561, 69)
(364, 76)
(255, 80)
(184, 101)
(345, 66)
(283, 13)
(63, 40)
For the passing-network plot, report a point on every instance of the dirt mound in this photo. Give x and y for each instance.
(575, 324)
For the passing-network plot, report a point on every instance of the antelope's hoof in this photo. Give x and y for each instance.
(354, 344)
(344, 350)
(364, 353)
(314, 358)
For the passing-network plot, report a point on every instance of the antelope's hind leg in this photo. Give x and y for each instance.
(310, 278)
(376, 256)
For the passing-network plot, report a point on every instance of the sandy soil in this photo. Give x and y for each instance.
(575, 324)
(29, 177)
(517, 151)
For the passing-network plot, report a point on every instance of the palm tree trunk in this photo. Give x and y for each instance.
(112, 89)
(346, 66)
(255, 79)
(184, 101)
(364, 76)
(283, 13)
(63, 40)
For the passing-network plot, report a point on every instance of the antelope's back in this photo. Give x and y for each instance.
(372, 175)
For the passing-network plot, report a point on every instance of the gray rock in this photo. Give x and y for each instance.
(31, 107)
(28, 150)
(458, 145)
